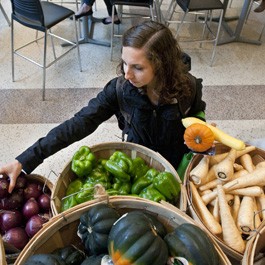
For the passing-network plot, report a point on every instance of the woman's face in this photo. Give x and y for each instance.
(137, 68)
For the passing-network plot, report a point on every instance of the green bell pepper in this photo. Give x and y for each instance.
(167, 184)
(120, 165)
(83, 161)
(152, 194)
(99, 175)
(74, 186)
(68, 203)
(86, 194)
(122, 188)
(144, 181)
(139, 168)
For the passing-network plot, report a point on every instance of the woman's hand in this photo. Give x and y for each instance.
(12, 170)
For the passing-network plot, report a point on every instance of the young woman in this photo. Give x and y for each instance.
(156, 93)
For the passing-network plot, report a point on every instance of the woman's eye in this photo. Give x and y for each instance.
(139, 68)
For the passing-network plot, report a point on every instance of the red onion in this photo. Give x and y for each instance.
(34, 224)
(21, 182)
(44, 201)
(30, 208)
(3, 187)
(13, 200)
(17, 237)
(10, 219)
(32, 190)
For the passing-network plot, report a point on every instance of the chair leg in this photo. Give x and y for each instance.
(261, 32)
(5, 15)
(112, 33)
(151, 13)
(44, 66)
(181, 23)
(12, 49)
(53, 49)
(170, 11)
(217, 36)
(206, 18)
(77, 46)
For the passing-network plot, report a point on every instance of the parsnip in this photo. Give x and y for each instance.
(216, 212)
(237, 167)
(224, 170)
(237, 183)
(231, 235)
(261, 206)
(229, 198)
(255, 178)
(204, 192)
(254, 191)
(219, 135)
(206, 216)
(246, 162)
(245, 219)
(212, 184)
(217, 158)
(235, 207)
(199, 172)
(257, 220)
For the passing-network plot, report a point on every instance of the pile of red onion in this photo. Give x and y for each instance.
(24, 211)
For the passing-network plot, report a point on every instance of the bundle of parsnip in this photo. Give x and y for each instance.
(228, 194)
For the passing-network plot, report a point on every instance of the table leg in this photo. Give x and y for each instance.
(236, 37)
(88, 24)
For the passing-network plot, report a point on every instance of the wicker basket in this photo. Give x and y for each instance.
(105, 150)
(258, 155)
(255, 249)
(61, 230)
(48, 186)
(2, 253)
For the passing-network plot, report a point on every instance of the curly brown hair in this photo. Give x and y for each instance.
(164, 53)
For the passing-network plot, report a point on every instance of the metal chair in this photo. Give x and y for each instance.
(41, 16)
(5, 15)
(198, 7)
(119, 4)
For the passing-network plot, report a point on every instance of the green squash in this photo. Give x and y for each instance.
(192, 243)
(133, 239)
(70, 255)
(94, 228)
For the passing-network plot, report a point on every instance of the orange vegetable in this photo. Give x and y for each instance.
(198, 137)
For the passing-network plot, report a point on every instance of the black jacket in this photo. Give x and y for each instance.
(156, 127)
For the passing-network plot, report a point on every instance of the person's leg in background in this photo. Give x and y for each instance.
(85, 9)
(108, 19)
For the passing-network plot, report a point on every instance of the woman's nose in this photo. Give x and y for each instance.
(128, 73)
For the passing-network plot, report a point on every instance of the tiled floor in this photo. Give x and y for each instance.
(236, 65)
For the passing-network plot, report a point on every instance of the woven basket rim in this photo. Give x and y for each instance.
(169, 213)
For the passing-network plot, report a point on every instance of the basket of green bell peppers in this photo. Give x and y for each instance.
(119, 174)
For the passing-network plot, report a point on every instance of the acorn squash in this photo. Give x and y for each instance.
(133, 239)
(192, 243)
(94, 228)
